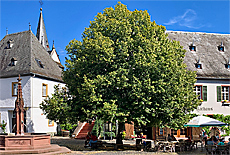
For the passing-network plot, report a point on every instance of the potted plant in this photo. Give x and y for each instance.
(123, 134)
(66, 128)
(3, 126)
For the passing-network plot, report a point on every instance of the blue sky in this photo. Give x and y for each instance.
(66, 20)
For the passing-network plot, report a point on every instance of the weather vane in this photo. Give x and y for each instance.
(41, 3)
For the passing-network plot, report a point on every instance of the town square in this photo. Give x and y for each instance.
(114, 77)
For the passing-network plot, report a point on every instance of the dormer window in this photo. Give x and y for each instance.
(39, 63)
(192, 47)
(9, 44)
(198, 65)
(221, 47)
(228, 64)
(13, 62)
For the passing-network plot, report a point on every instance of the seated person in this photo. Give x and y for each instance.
(228, 140)
(205, 138)
(215, 140)
(88, 137)
(93, 139)
(173, 137)
(217, 136)
(189, 139)
(212, 141)
(209, 142)
(169, 138)
(221, 142)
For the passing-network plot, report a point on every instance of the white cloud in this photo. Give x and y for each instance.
(188, 19)
(60, 51)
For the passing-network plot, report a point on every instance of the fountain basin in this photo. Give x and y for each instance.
(24, 142)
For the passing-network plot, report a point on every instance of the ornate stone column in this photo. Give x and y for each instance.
(19, 109)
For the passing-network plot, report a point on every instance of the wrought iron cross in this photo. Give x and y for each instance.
(41, 3)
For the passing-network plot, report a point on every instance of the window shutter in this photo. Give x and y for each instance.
(204, 93)
(218, 93)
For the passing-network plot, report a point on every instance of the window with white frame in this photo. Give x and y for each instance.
(222, 93)
(225, 93)
(44, 90)
(50, 122)
(197, 90)
(201, 92)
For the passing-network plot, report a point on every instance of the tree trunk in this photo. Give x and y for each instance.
(119, 135)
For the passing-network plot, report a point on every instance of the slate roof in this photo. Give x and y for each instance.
(213, 61)
(27, 51)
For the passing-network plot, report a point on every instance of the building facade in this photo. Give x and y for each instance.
(209, 55)
(40, 69)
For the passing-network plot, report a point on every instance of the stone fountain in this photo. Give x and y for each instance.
(26, 143)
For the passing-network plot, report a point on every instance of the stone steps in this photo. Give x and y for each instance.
(84, 131)
(53, 149)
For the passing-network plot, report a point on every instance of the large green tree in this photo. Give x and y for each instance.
(125, 68)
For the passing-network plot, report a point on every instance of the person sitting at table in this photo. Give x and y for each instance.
(212, 141)
(216, 141)
(93, 139)
(189, 139)
(221, 142)
(88, 137)
(228, 141)
(171, 138)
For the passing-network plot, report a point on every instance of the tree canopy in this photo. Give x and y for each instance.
(125, 68)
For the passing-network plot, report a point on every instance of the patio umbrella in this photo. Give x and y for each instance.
(201, 121)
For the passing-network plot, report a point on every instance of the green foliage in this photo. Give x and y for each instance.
(59, 107)
(206, 129)
(126, 69)
(225, 119)
(123, 134)
(3, 126)
(108, 134)
(98, 127)
(222, 118)
(68, 126)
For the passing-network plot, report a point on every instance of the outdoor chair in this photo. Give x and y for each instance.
(180, 145)
(188, 145)
(222, 150)
(210, 149)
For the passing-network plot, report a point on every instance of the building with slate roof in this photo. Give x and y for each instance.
(209, 55)
(40, 69)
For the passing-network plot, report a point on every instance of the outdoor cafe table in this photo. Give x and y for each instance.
(171, 145)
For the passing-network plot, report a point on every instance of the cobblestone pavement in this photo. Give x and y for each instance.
(130, 152)
(77, 147)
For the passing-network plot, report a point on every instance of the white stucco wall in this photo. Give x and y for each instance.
(39, 121)
(211, 106)
(32, 94)
(7, 102)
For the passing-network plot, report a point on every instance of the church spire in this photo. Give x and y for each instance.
(41, 32)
